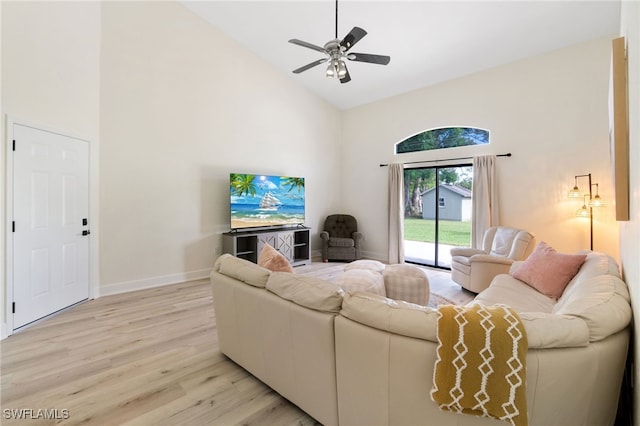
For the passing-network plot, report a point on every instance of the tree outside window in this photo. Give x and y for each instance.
(445, 137)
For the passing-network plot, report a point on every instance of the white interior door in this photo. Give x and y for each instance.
(50, 223)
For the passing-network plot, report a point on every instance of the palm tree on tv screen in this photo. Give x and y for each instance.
(293, 183)
(242, 184)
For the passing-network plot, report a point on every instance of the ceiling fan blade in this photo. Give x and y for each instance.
(311, 65)
(346, 78)
(307, 45)
(366, 57)
(352, 38)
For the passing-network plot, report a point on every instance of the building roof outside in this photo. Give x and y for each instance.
(463, 192)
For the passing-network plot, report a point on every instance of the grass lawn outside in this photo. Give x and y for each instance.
(451, 232)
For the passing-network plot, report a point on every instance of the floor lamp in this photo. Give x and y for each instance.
(587, 207)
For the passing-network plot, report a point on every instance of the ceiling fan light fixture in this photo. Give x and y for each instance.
(330, 70)
(336, 51)
(342, 69)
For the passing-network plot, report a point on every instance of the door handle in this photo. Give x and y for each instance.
(86, 232)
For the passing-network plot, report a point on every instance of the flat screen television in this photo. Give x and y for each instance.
(262, 201)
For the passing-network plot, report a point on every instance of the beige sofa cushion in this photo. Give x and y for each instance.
(597, 264)
(243, 270)
(390, 315)
(411, 320)
(510, 291)
(554, 331)
(309, 292)
(594, 265)
(601, 301)
(596, 295)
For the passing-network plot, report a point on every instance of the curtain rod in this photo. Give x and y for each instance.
(508, 154)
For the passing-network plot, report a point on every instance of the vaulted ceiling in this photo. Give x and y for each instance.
(428, 41)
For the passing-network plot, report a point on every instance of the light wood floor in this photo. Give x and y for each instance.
(149, 357)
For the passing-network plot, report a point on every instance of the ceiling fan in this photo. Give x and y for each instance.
(336, 52)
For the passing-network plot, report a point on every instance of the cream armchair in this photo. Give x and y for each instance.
(474, 269)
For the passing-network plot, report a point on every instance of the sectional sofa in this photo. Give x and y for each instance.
(364, 359)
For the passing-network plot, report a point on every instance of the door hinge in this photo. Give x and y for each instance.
(14, 144)
(13, 307)
(13, 226)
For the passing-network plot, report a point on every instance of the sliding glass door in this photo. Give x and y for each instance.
(437, 213)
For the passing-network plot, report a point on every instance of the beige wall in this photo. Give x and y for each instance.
(630, 231)
(182, 106)
(549, 111)
(51, 78)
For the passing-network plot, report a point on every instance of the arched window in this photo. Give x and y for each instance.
(444, 137)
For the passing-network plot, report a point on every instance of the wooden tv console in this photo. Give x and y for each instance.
(292, 243)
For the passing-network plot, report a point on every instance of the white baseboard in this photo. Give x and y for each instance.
(3, 331)
(127, 286)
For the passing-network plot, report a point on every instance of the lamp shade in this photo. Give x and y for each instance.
(583, 212)
(575, 193)
(597, 202)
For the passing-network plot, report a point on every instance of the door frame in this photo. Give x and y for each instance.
(7, 328)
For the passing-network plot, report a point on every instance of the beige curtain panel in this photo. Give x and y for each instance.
(396, 213)
(485, 198)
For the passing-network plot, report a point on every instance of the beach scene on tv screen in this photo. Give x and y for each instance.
(263, 200)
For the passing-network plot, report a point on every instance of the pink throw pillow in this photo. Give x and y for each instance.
(548, 271)
(270, 258)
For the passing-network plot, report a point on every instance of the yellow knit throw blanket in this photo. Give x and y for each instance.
(481, 365)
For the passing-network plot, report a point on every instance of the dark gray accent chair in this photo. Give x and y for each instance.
(340, 238)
